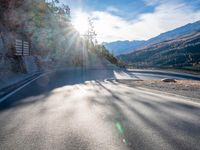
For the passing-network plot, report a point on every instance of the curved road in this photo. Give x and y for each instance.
(159, 74)
(81, 110)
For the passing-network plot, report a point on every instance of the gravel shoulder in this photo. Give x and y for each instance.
(186, 88)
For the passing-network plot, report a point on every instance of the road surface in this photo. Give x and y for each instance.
(159, 74)
(82, 110)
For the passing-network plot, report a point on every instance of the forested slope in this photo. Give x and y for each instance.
(180, 52)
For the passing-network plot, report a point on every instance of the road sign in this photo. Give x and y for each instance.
(22, 48)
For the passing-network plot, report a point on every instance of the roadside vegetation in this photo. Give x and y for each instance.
(48, 26)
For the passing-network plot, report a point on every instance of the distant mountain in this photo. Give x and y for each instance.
(187, 29)
(181, 52)
(124, 47)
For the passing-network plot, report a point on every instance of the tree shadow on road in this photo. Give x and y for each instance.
(42, 87)
(143, 120)
(163, 119)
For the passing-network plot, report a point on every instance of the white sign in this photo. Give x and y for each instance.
(22, 48)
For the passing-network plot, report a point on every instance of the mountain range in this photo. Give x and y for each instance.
(125, 47)
(182, 52)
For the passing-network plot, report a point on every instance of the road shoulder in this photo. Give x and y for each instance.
(188, 89)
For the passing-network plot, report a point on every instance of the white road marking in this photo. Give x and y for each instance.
(81, 88)
(18, 89)
(172, 96)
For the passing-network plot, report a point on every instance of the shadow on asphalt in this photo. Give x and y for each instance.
(144, 123)
(164, 117)
(44, 85)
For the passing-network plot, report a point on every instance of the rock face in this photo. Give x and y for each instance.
(168, 80)
(9, 62)
(30, 64)
(5, 64)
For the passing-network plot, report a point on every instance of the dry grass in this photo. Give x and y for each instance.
(189, 83)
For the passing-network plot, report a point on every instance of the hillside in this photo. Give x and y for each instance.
(183, 51)
(53, 41)
(124, 47)
(181, 31)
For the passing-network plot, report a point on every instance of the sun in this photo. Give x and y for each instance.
(80, 22)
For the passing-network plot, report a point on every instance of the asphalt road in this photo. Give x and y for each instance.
(159, 74)
(81, 110)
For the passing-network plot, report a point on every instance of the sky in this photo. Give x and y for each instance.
(133, 19)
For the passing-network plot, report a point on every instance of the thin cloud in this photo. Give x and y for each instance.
(167, 16)
(112, 9)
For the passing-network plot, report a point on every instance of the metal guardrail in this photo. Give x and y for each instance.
(6, 90)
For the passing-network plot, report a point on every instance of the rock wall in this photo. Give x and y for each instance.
(30, 63)
(9, 63)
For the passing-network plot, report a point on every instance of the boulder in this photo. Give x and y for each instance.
(168, 80)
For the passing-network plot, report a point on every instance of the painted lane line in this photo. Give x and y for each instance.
(19, 88)
(173, 97)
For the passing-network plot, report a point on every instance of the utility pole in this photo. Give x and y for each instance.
(90, 34)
